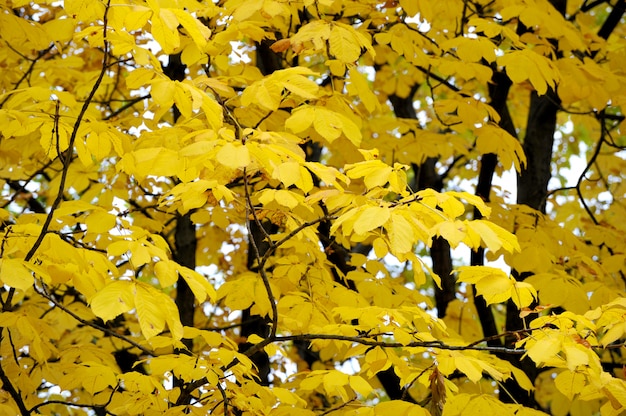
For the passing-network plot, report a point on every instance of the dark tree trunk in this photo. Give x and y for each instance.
(427, 177)
(185, 255)
(532, 183)
(267, 61)
(498, 92)
(185, 243)
(255, 324)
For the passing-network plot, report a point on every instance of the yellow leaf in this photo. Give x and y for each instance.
(137, 18)
(471, 49)
(166, 271)
(301, 86)
(469, 367)
(359, 87)
(346, 43)
(286, 198)
(616, 332)
(401, 235)
(446, 201)
(84, 10)
(370, 219)
(234, 156)
(113, 299)
(545, 349)
(524, 294)
(100, 222)
(335, 382)
(194, 27)
(452, 231)
(337, 68)
(288, 397)
(526, 64)
(411, 7)
(157, 161)
(491, 283)
(288, 173)
(374, 172)
(163, 33)
(140, 77)
(522, 379)
(300, 119)
(494, 139)
(328, 124)
(576, 355)
(399, 407)
(494, 236)
(570, 383)
(172, 315)
(351, 130)
(380, 247)
(150, 310)
(377, 360)
(60, 30)
(14, 274)
(361, 386)
(475, 200)
(198, 284)
(94, 377)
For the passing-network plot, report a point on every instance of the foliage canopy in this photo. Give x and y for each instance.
(288, 207)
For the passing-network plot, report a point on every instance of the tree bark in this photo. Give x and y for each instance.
(185, 255)
(185, 239)
(427, 177)
(268, 62)
(498, 92)
(532, 190)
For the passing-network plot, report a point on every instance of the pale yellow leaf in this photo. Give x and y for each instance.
(167, 37)
(359, 86)
(14, 274)
(494, 236)
(361, 386)
(343, 44)
(198, 284)
(300, 119)
(371, 218)
(194, 27)
(328, 124)
(570, 383)
(113, 299)
(401, 235)
(234, 156)
(286, 198)
(150, 310)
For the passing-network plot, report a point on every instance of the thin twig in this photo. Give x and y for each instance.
(262, 272)
(252, 210)
(129, 104)
(8, 387)
(44, 292)
(28, 72)
(591, 161)
(504, 334)
(223, 393)
(339, 407)
(72, 140)
(292, 233)
(439, 345)
(72, 404)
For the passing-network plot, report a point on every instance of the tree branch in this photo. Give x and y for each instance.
(8, 386)
(44, 292)
(415, 344)
(79, 119)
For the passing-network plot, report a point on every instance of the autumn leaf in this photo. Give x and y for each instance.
(271, 207)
